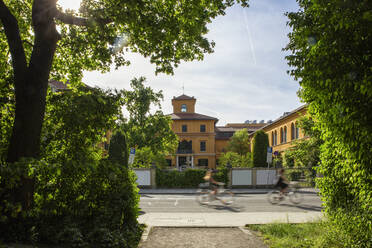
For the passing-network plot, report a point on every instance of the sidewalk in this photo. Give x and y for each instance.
(204, 230)
(226, 219)
(168, 237)
(235, 191)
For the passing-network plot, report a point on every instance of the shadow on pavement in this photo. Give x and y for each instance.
(146, 196)
(230, 208)
(304, 207)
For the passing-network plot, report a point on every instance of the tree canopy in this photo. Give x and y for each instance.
(144, 126)
(235, 160)
(239, 142)
(39, 40)
(331, 56)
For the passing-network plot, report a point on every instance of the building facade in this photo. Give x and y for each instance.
(196, 133)
(201, 141)
(284, 130)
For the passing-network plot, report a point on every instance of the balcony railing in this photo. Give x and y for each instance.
(185, 151)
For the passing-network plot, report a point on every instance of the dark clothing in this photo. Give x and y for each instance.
(212, 186)
(281, 184)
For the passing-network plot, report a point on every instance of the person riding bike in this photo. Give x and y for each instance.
(213, 184)
(282, 183)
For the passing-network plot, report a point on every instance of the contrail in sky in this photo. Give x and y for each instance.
(249, 37)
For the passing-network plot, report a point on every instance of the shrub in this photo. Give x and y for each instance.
(260, 144)
(236, 160)
(190, 178)
(73, 204)
(331, 47)
(118, 149)
(145, 157)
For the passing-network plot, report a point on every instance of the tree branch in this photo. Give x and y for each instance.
(78, 21)
(29, 43)
(14, 40)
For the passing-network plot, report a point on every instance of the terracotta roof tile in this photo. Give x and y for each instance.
(184, 97)
(191, 116)
(225, 129)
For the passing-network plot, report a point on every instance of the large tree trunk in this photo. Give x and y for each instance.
(31, 90)
(29, 114)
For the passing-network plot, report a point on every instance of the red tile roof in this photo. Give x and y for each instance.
(191, 116)
(183, 97)
(226, 129)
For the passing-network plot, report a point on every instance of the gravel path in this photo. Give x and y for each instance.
(194, 237)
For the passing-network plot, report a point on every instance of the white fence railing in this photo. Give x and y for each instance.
(238, 177)
(252, 177)
(266, 177)
(145, 177)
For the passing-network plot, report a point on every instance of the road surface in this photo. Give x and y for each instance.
(176, 203)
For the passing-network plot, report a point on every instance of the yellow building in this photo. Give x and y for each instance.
(196, 134)
(284, 130)
(201, 142)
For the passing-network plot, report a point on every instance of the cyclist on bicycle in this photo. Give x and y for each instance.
(282, 182)
(213, 184)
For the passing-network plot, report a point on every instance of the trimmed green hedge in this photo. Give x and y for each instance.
(260, 144)
(190, 178)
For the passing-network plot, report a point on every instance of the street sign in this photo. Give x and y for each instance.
(269, 157)
(269, 149)
(131, 155)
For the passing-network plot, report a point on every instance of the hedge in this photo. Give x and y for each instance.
(190, 178)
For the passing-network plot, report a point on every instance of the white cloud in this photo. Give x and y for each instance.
(235, 83)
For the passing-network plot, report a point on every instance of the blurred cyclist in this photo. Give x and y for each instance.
(282, 182)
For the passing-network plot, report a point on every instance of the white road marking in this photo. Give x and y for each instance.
(176, 203)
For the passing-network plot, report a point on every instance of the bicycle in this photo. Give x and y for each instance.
(274, 196)
(205, 195)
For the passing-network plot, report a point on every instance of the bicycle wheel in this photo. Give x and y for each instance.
(226, 197)
(202, 196)
(274, 197)
(295, 197)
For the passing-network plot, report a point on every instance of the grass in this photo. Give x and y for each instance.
(305, 235)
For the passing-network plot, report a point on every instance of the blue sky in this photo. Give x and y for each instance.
(244, 79)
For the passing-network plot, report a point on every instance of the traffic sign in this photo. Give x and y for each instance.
(131, 155)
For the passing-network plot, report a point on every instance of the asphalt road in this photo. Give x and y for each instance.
(155, 203)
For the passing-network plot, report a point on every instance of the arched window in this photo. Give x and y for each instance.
(183, 108)
(281, 135)
(285, 134)
(275, 138)
(297, 131)
(293, 131)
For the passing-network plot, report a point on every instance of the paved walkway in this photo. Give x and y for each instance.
(165, 237)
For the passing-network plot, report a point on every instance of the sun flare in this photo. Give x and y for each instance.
(70, 4)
